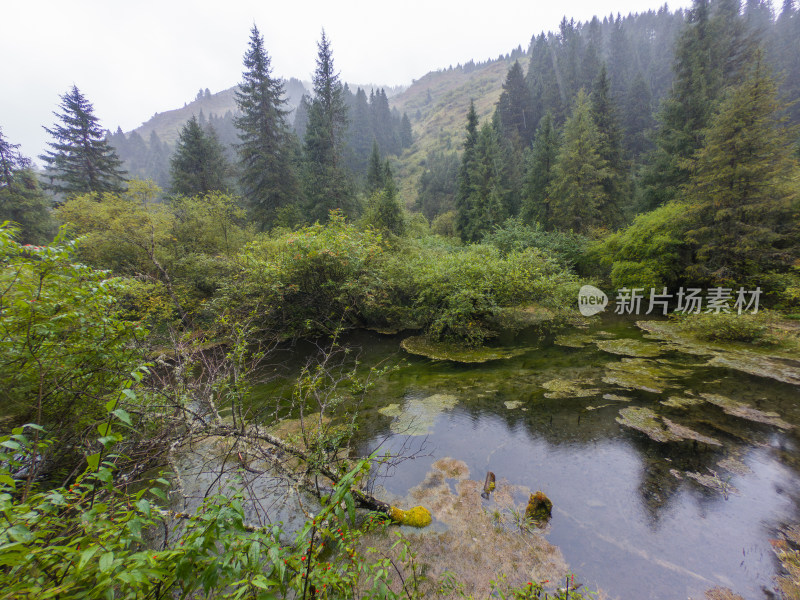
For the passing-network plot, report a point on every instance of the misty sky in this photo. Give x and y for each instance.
(134, 58)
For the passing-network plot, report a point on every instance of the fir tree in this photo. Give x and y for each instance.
(464, 193)
(383, 209)
(576, 191)
(267, 180)
(198, 165)
(539, 174)
(327, 181)
(743, 198)
(406, 134)
(376, 174)
(80, 159)
(515, 108)
(615, 184)
(11, 161)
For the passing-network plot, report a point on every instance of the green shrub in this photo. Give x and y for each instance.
(729, 327)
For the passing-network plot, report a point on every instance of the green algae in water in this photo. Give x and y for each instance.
(660, 429)
(418, 415)
(565, 388)
(637, 374)
(678, 402)
(574, 340)
(775, 363)
(422, 346)
(512, 404)
(744, 411)
(616, 398)
(713, 482)
(629, 347)
(645, 420)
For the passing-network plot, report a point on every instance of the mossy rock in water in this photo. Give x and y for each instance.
(419, 516)
(419, 414)
(512, 404)
(744, 411)
(566, 388)
(539, 508)
(629, 347)
(422, 346)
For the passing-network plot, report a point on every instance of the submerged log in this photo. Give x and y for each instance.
(488, 485)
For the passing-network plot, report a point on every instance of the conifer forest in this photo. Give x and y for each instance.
(524, 327)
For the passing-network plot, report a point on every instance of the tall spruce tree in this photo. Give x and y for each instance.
(80, 159)
(539, 174)
(515, 108)
(464, 196)
(327, 180)
(376, 174)
(198, 165)
(268, 181)
(615, 182)
(743, 198)
(576, 192)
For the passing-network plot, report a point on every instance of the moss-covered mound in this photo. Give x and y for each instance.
(422, 346)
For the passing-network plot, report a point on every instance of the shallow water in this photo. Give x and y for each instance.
(632, 516)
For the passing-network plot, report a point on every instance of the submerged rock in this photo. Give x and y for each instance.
(616, 398)
(422, 346)
(512, 404)
(419, 414)
(683, 432)
(744, 411)
(637, 374)
(629, 347)
(713, 482)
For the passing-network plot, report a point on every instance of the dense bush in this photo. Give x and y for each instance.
(729, 327)
(515, 235)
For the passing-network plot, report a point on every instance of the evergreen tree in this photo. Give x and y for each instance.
(327, 181)
(376, 172)
(709, 55)
(383, 209)
(80, 159)
(300, 123)
(515, 108)
(743, 198)
(576, 191)
(539, 174)
(406, 134)
(267, 179)
(198, 165)
(436, 190)
(464, 194)
(11, 161)
(638, 117)
(21, 200)
(615, 182)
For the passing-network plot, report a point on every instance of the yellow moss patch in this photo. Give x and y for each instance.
(419, 516)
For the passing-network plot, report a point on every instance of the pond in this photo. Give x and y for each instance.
(670, 467)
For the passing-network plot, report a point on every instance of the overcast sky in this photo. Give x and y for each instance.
(134, 58)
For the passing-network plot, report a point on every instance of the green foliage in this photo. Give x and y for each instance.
(91, 540)
(385, 213)
(514, 236)
(63, 346)
(307, 281)
(445, 224)
(81, 160)
(185, 247)
(729, 327)
(651, 252)
(198, 165)
(24, 204)
(436, 189)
